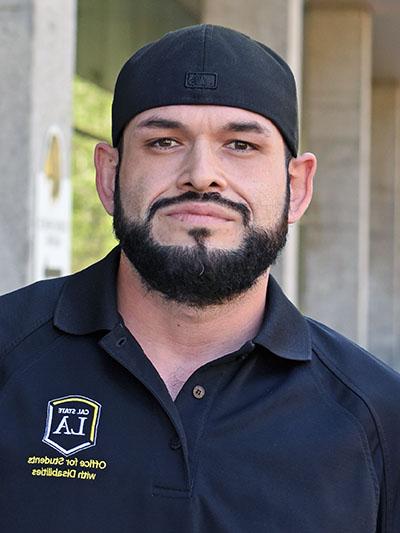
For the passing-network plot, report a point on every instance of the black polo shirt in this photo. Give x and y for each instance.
(296, 432)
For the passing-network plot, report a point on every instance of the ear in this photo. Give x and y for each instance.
(301, 172)
(106, 162)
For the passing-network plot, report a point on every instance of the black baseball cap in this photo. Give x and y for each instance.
(207, 64)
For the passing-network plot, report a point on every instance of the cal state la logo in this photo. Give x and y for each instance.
(71, 424)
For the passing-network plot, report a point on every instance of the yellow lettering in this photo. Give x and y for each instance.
(84, 474)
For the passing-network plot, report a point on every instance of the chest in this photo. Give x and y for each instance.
(94, 444)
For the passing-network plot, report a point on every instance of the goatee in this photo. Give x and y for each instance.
(195, 275)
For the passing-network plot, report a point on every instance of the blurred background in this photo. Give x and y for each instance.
(59, 60)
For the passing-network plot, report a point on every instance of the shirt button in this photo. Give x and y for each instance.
(175, 444)
(198, 392)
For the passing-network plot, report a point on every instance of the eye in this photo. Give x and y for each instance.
(164, 143)
(241, 146)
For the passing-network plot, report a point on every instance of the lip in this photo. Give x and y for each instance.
(199, 212)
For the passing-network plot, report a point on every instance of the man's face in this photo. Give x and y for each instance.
(171, 150)
(201, 202)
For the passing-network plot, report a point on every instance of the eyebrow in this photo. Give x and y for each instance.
(235, 126)
(157, 123)
(253, 127)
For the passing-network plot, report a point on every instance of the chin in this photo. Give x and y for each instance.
(198, 236)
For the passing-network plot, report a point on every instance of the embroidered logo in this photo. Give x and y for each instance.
(201, 80)
(71, 424)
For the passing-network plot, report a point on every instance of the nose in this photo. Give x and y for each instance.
(201, 169)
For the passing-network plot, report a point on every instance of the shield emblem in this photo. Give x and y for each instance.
(71, 424)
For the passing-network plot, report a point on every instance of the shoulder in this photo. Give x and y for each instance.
(354, 365)
(27, 309)
(356, 373)
(362, 383)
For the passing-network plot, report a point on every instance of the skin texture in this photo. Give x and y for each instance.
(167, 152)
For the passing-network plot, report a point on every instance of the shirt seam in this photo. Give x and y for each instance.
(24, 368)
(329, 400)
(172, 489)
(347, 382)
(8, 348)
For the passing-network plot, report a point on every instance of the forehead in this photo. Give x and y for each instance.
(206, 117)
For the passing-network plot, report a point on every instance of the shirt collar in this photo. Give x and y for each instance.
(88, 303)
(284, 331)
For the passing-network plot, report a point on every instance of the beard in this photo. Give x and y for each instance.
(195, 275)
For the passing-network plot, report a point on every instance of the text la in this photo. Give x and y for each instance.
(65, 428)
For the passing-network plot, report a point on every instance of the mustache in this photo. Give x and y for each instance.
(188, 196)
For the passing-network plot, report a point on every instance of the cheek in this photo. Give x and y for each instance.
(261, 183)
(141, 186)
(268, 203)
(134, 197)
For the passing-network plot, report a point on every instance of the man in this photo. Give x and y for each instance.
(172, 387)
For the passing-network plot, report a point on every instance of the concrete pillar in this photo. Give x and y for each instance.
(336, 127)
(278, 24)
(37, 45)
(396, 284)
(384, 329)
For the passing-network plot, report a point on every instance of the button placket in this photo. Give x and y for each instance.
(194, 404)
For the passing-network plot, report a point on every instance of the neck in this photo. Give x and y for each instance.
(177, 337)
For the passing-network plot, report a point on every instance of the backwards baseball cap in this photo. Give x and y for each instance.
(212, 65)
